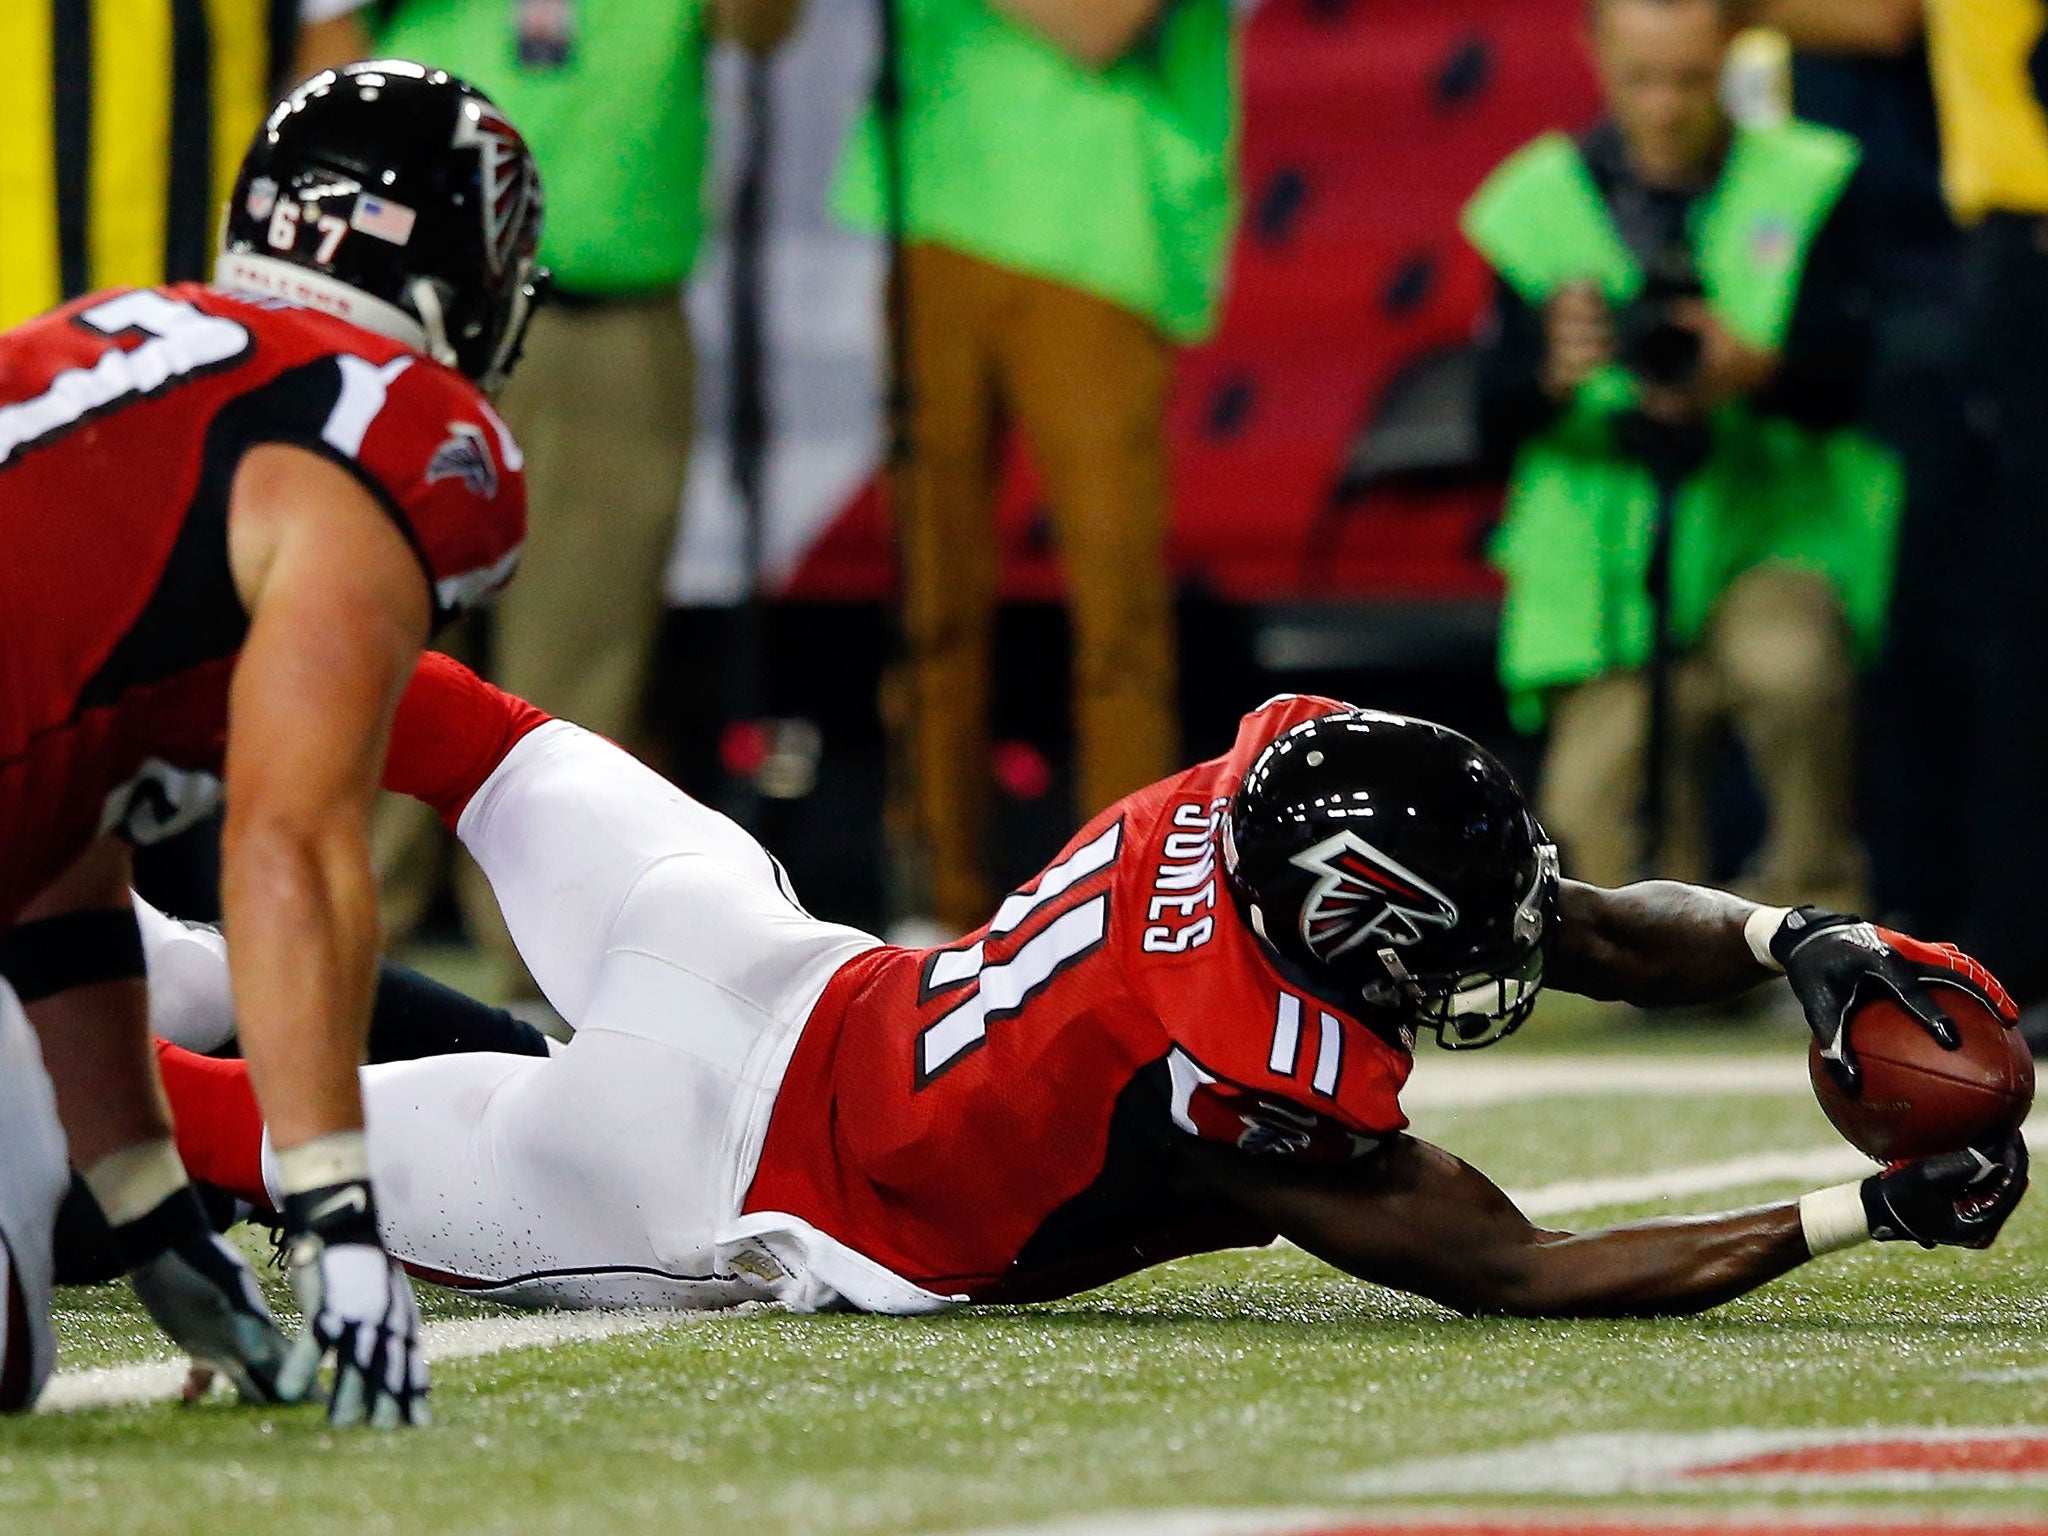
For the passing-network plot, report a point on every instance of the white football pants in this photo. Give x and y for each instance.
(34, 1174)
(612, 1173)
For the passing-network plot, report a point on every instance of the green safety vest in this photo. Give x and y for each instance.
(1575, 543)
(1119, 182)
(618, 130)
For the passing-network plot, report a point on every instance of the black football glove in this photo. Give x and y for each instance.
(359, 1307)
(1957, 1199)
(203, 1293)
(1830, 959)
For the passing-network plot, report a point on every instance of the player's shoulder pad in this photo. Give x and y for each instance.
(451, 465)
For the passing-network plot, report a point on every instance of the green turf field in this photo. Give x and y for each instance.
(1257, 1380)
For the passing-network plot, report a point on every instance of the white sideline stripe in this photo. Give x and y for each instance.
(117, 1386)
(1453, 1084)
(1813, 1164)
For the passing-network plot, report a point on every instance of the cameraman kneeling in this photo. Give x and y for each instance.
(1676, 374)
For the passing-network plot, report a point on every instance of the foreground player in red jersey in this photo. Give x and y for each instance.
(231, 516)
(1190, 1032)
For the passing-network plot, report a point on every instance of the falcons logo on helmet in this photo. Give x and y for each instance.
(507, 189)
(1362, 894)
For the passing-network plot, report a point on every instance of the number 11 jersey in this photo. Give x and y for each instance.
(1002, 1118)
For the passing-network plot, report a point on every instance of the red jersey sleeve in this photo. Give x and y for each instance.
(457, 477)
(1257, 1061)
(442, 461)
(451, 732)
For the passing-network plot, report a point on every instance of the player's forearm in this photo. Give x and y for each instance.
(1655, 944)
(90, 1009)
(300, 901)
(1666, 1268)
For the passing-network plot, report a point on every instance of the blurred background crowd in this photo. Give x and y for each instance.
(955, 413)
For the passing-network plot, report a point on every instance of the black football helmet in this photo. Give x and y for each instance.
(1390, 864)
(401, 199)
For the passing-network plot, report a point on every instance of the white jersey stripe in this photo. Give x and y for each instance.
(364, 387)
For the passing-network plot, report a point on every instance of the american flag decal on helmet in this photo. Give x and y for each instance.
(1362, 894)
(501, 171)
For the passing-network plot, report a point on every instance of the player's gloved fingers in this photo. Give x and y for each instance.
(1827, 1019)
(1914, 997)
(347, 1403)
(301, 1367)
(345, 1406)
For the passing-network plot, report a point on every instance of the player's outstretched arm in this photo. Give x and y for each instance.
(1417, 1219)
(338, 610)
(1655, 944)
(1660, 943)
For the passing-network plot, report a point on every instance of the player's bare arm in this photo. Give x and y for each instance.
(1660, 944)
(1655, 944)
(1413, 1217)
(338, 615)
(95, 1037)
(78, 940)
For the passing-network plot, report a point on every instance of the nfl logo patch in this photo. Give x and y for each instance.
(262, 197)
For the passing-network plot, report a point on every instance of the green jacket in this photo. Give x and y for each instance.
(618, 128)
(1576, 540)
(1119, 182)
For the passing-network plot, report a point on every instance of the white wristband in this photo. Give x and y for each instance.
(135, 1180)
(1833, 1219)
(1760, 928)
(335, 1159)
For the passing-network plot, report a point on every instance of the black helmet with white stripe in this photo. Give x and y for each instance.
(1390, 865)
(399, 198)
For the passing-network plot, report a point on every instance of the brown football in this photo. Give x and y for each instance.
(1919, 1099)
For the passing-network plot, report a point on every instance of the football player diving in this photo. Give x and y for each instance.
(1190, 1032)
(232, 515)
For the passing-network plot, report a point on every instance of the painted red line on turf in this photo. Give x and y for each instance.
(2009, 1456)
(1554, 1527)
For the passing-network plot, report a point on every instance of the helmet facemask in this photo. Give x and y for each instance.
(1472, 1009)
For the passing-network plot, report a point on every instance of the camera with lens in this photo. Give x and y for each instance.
(1653, 341)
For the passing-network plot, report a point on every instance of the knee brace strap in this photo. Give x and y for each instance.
(75, 949)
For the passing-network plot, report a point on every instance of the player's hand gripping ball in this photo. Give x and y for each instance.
(1917, 1097)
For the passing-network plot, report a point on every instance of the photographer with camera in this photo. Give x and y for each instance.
(1696, 529)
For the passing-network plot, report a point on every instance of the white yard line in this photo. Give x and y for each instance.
(1816, 1165)
(1442, 1082)
(112, 1386)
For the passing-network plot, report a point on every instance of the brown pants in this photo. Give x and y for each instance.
(1775, 660)
(601, 405)
(1087, 382)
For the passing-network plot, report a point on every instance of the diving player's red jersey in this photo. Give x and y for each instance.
(123, 417)
(1005, 1118)
(997, 1119)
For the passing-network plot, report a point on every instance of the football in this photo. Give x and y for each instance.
(1918, 1098)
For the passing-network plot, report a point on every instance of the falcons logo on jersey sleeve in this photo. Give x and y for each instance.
(1361, 894)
